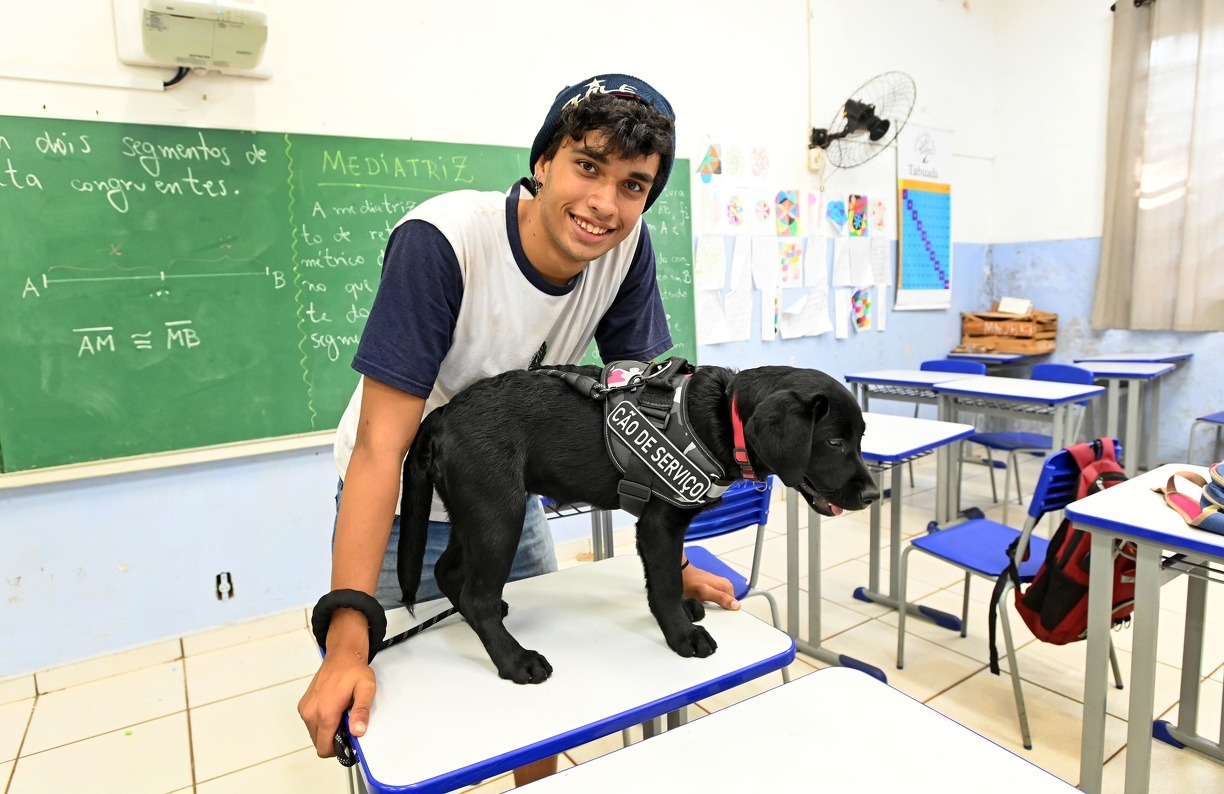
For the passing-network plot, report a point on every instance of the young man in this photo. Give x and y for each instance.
(475, 284)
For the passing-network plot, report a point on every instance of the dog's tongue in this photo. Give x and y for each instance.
(837, 511)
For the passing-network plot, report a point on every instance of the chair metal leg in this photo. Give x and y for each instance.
(965, 606)
(994, 491)
(902, 606)
(1113, 662)
(777, 620)
(1021, 712)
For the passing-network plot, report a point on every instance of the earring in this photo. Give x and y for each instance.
(536, 184)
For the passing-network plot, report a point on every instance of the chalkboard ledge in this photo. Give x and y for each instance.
(166, 460)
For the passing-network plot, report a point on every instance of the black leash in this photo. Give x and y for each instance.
(342, 742)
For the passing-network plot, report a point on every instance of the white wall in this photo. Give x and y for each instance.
(87, 568)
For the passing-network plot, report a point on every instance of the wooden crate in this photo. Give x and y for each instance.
(1002, 332)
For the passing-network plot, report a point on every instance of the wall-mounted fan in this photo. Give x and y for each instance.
(868, 122)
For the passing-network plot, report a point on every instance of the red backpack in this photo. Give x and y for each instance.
(1055, 604)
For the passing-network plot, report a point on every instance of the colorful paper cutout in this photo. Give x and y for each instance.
(735, 211)
(857, 212)
(710, 164)
(790, 254)
(835, 211)
(786, 213)
(878, 215)
(860, 302)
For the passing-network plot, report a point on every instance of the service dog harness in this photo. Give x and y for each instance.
(647, 434)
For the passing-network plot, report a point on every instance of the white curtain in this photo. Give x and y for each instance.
(1162, 251)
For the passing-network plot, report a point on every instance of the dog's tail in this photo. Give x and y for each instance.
(415, 504)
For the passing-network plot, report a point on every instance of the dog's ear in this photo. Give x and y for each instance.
(779, 433)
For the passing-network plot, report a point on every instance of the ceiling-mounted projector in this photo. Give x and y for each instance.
(216, 34)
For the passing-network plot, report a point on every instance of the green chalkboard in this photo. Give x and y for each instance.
(169, 287)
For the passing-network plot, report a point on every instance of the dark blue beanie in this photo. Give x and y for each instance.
(621, 85)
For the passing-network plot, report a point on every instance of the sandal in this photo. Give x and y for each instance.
(1206, 513)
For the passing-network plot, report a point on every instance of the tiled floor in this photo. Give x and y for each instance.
(216, 712)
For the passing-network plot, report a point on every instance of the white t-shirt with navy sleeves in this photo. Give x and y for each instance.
(459, 301)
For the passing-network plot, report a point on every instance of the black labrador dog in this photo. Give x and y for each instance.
(525, 431)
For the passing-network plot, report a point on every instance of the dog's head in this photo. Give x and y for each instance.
(807, 429)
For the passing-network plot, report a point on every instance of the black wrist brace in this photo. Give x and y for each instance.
(320, 618)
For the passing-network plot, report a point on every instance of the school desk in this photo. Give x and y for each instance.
(889, 441)
(443, 719)
(1141, 426)
(832, 730)
(1017, 398)
(1131, 511)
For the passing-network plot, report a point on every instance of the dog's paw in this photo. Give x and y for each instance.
(696, 642)
(528, 668)
(694, 609)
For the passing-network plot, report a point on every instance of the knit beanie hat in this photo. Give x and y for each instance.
(621, 85)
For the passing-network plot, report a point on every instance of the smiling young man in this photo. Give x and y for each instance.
(474, 284)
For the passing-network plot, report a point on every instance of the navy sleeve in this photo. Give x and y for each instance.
(635, 327)
(412, 320)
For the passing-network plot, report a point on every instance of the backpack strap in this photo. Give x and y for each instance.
(1010, 573)
(1206, 513)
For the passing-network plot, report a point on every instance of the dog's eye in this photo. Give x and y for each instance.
(837, 442)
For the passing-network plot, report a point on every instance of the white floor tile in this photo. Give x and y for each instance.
(302, 772)
(106, 666)
(150, 757)
(205, 641)
(14, 719)
(18, 687)
(238, 669)
(99, 707)
(242, 731)
(6, 772)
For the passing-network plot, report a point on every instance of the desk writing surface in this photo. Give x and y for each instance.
(903, 377)
(835, 730)
(1020, 389)
(1133, 509)
(1158, 358)
(441, 710)
(1126, 369)
(891, 438)
(178, 287)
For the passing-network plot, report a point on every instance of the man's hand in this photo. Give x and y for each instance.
(705, 586)
(343, 679)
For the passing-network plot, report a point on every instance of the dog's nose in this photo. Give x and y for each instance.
(870, 493)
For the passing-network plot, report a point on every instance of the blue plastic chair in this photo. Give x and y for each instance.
(961, 365)
(742, 506)
(979, 547)
(1207, 421)
(1017, 443)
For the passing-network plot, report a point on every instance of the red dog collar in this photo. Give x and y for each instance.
(741, 449)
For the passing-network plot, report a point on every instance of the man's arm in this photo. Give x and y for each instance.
(388, 423)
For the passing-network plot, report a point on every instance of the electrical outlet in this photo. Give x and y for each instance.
(225, 586)
(816, 157)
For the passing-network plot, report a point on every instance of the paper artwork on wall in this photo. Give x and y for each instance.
(816, 263)
(856, 210)
(710, 164)
(766, 269)
(786, 212)
(723, 318)
(790, 256)
(808, 316)
(733, 212)
(860, 304)
(841, 312)
(741, 265)
(732, 162)
(760, 162)
(835, 211)
(881, 262)
(771, 312)
(879, 216)
(710, 262)
(861, 274)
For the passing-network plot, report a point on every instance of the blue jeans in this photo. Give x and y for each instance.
(535, 554)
